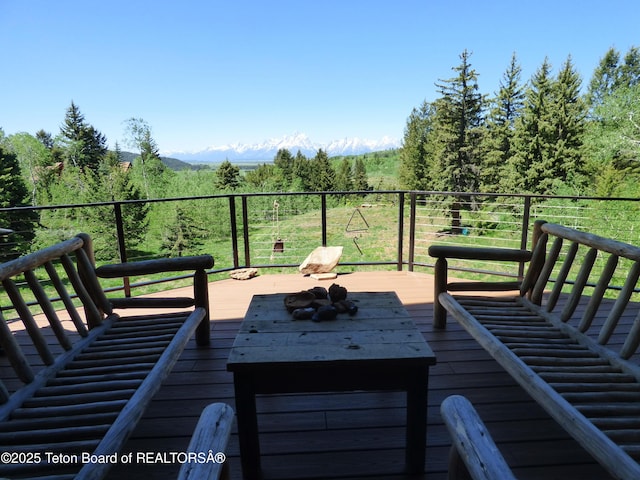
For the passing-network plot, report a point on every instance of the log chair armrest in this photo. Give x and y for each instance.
(210, 437)
(473, 451)
(480, 253)
(441, 283)
(160, 265)
(197, 263)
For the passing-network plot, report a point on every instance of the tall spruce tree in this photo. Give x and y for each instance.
(566, 164)
(112, 182)
(14, 193)
(416, 151)
(324, 176)
(534, 135)
(506, 107)
(630, 69)
(84, 146)
(360, 179)
(344, 176)
(284, 161)
(458, 156)
(227, 176)
(605, 78)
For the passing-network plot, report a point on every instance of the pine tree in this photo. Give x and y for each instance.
(498, 142)
(605, 78)
(568, 119)
(85, 146)
(630, 69)
(182, 234)
(416, 150)
(324, 176)
(533, 136)
(459, 118)
(360, 179)
(344, 176)
(284, 161)
(112, 182)
(302, 173)
(14, 193)
(227, 176)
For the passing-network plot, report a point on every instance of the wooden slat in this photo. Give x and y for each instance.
(66, 299)
(94, 317)
(29, 322)
(16, 357)
(621, 303)
(48, 309)
(579, 284)
(546, 271)
(598, 293)
(561, 278)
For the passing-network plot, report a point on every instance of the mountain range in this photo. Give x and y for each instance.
(266, 151)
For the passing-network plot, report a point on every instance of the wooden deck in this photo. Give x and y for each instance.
(352, 435)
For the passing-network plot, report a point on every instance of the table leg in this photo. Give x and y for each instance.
(417, 421)
(247, 419)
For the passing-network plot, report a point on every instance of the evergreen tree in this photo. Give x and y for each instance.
(182, 234)
(459, 118)
(605, 78)
(416, 150)
(344, 176)
(284, 161)
(498, 142)
(630, 70)
(324, 176)
(534, 136)
(303, 173)
(360, 180)
(14, 193)
(84, 146)
(112, 182)
(227, 176)
(566, 164)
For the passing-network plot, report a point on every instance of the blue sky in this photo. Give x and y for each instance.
(213, 72)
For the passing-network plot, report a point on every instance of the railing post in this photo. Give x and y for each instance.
(245, 232)
(400, 229)
(412, 230)
(324, 219)
(234, 229)
(122, 249)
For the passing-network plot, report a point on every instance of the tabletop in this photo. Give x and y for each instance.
(381, 331)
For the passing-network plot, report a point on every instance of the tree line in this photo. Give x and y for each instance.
(542, 136)
(76, 167)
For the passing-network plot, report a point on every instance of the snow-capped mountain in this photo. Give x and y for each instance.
(266, 151)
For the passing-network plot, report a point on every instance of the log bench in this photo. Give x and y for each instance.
(76, 377)
(576, 361)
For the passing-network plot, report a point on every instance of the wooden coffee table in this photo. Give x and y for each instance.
(379, 348)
